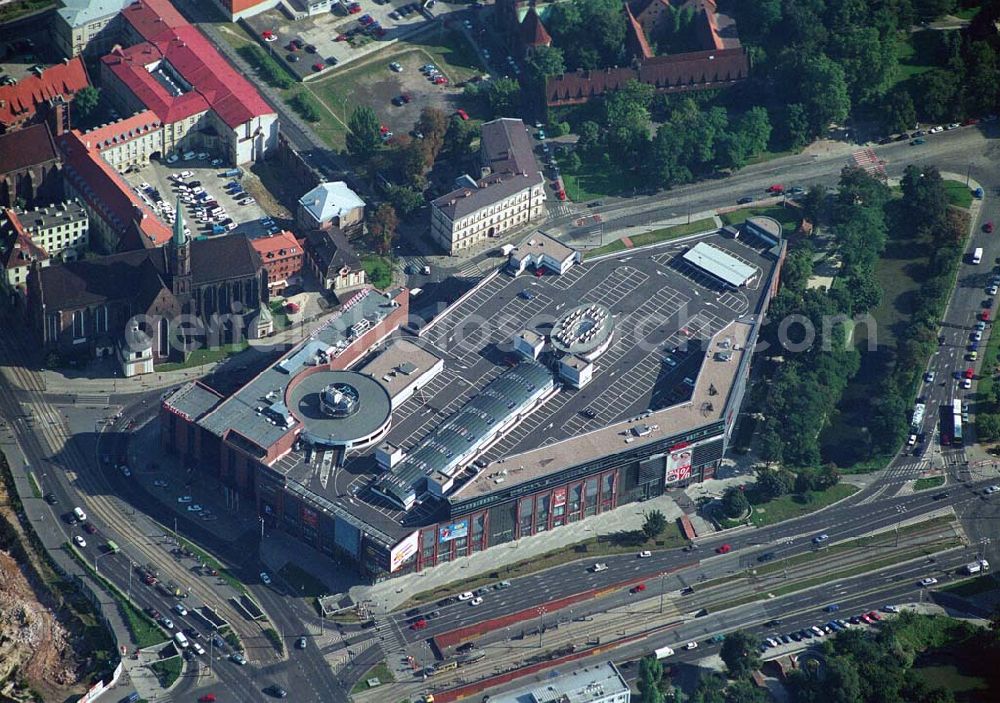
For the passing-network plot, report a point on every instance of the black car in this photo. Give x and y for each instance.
(772, 623)
(940, 496)
(412, 611)
(276, 691)
(744, 200)
(467, 647)
(51, 499)
(445, 601)
(292, 58)
(433, 614)
(766, 556)
(885, 140)
(192, 633)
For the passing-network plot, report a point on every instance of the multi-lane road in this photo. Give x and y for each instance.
(65, 457)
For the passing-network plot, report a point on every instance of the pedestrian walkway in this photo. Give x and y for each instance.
(392, 593)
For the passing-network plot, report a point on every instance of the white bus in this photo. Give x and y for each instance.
(977, 255)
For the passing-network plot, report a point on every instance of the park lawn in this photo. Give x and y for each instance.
(609, 248)
(959, 194)
(591, 182)
(990, 357)
(791, 506)
(18, 8)
(656, 236)
(304, 583)
(788, 216)
(380, 671)
(911, 62)
(199, 357)
(965, 687)
(378, 269)
(923, 484)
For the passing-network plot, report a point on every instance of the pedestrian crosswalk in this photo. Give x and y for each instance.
(562, 210)
(91, 399)
(867, 160)
(900, 473)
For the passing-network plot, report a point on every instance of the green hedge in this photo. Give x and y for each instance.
(271, 71)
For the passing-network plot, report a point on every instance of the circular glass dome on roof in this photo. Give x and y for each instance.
(585, 330)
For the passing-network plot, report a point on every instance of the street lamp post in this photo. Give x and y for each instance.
(97, 558)
(663, 575)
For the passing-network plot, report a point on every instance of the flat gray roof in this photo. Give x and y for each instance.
(45, 217)
(401, 363)
(372, 407)
(192, 400)
(593, 683)
(244, 410)
(718, 263)
(540, 244)
(707, 403)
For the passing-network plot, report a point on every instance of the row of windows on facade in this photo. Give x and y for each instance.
(98, 323)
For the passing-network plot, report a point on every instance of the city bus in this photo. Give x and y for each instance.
(956, 415)
(112, 547)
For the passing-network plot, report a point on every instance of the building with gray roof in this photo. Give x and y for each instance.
(331, 204)
(508, 194)
(599, 683)
(87, 26)
(720, 265)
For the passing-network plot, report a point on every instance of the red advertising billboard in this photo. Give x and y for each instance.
(559, 497)
(678, 465)
(310, 517)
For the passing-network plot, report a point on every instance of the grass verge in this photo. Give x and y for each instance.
(972, 587)
(605, 545)
(212, 563)
(380, 671)
(922, 484)
(145, 632)
(958, 193)
(36, 490)
(304, 583)
(788, 215)
(275, 639)
(232, 639)
(167, 670)
(378, 269)
(656, 236)
(795, 505)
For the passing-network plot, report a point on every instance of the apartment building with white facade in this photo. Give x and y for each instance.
(509, 194)
(60, 231)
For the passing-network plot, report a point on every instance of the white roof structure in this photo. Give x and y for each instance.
(717, 263)
(329, 200)
(600, 683)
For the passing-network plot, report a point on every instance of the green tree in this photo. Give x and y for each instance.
(757, 19)
(794, 126)
(433, 124)
(897, 111)
(545, 61)
(739, 653)
(812, 203)
(589, 138)
(504, 97)
(982, 79)
(405, 199)
(824, 93)
(363, 136)
(654, 524)
(734, 502)
(382, 227)
(988, 427)
(938, 90)
(86, 101)
(746, 692)
(648, 682)
(929, 10)
(711, 688)
(748, 138)
(868, 60)
(459, 138)
(772, 483)
(627, 122)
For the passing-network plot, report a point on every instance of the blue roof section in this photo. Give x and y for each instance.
(454, 442)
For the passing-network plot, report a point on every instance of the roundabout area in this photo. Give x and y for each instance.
(341, 409)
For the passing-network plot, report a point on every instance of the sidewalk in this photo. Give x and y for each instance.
(390, 594)
(143, 680)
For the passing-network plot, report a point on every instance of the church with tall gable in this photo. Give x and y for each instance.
(184, 295)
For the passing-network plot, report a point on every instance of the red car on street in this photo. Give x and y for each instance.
(354, 8)
(419, 624)
(462, 113)
(724, 549)
(988, 227)
(969, 373)
(639, 588)
(318, 66)
(207, 698)
(777, 189)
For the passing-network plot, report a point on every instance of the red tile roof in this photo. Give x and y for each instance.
(635, 37)
(282, 244)
(122, 131)
(214, 83)
(23, 249)
(696, 70)
(31, 146)
(18, 102)
(106, 192)
(533, 32)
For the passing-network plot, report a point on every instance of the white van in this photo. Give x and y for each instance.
(79, 514)
(181, 640)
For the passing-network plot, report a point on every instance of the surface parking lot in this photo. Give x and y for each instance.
(339, 37)
(158, 175)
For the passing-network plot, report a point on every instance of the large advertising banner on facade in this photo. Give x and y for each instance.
(402, 552)
(310, 517)
(455, 530)
(559, 497)
(678, 464)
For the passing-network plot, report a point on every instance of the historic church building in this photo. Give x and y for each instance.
(180, 296)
